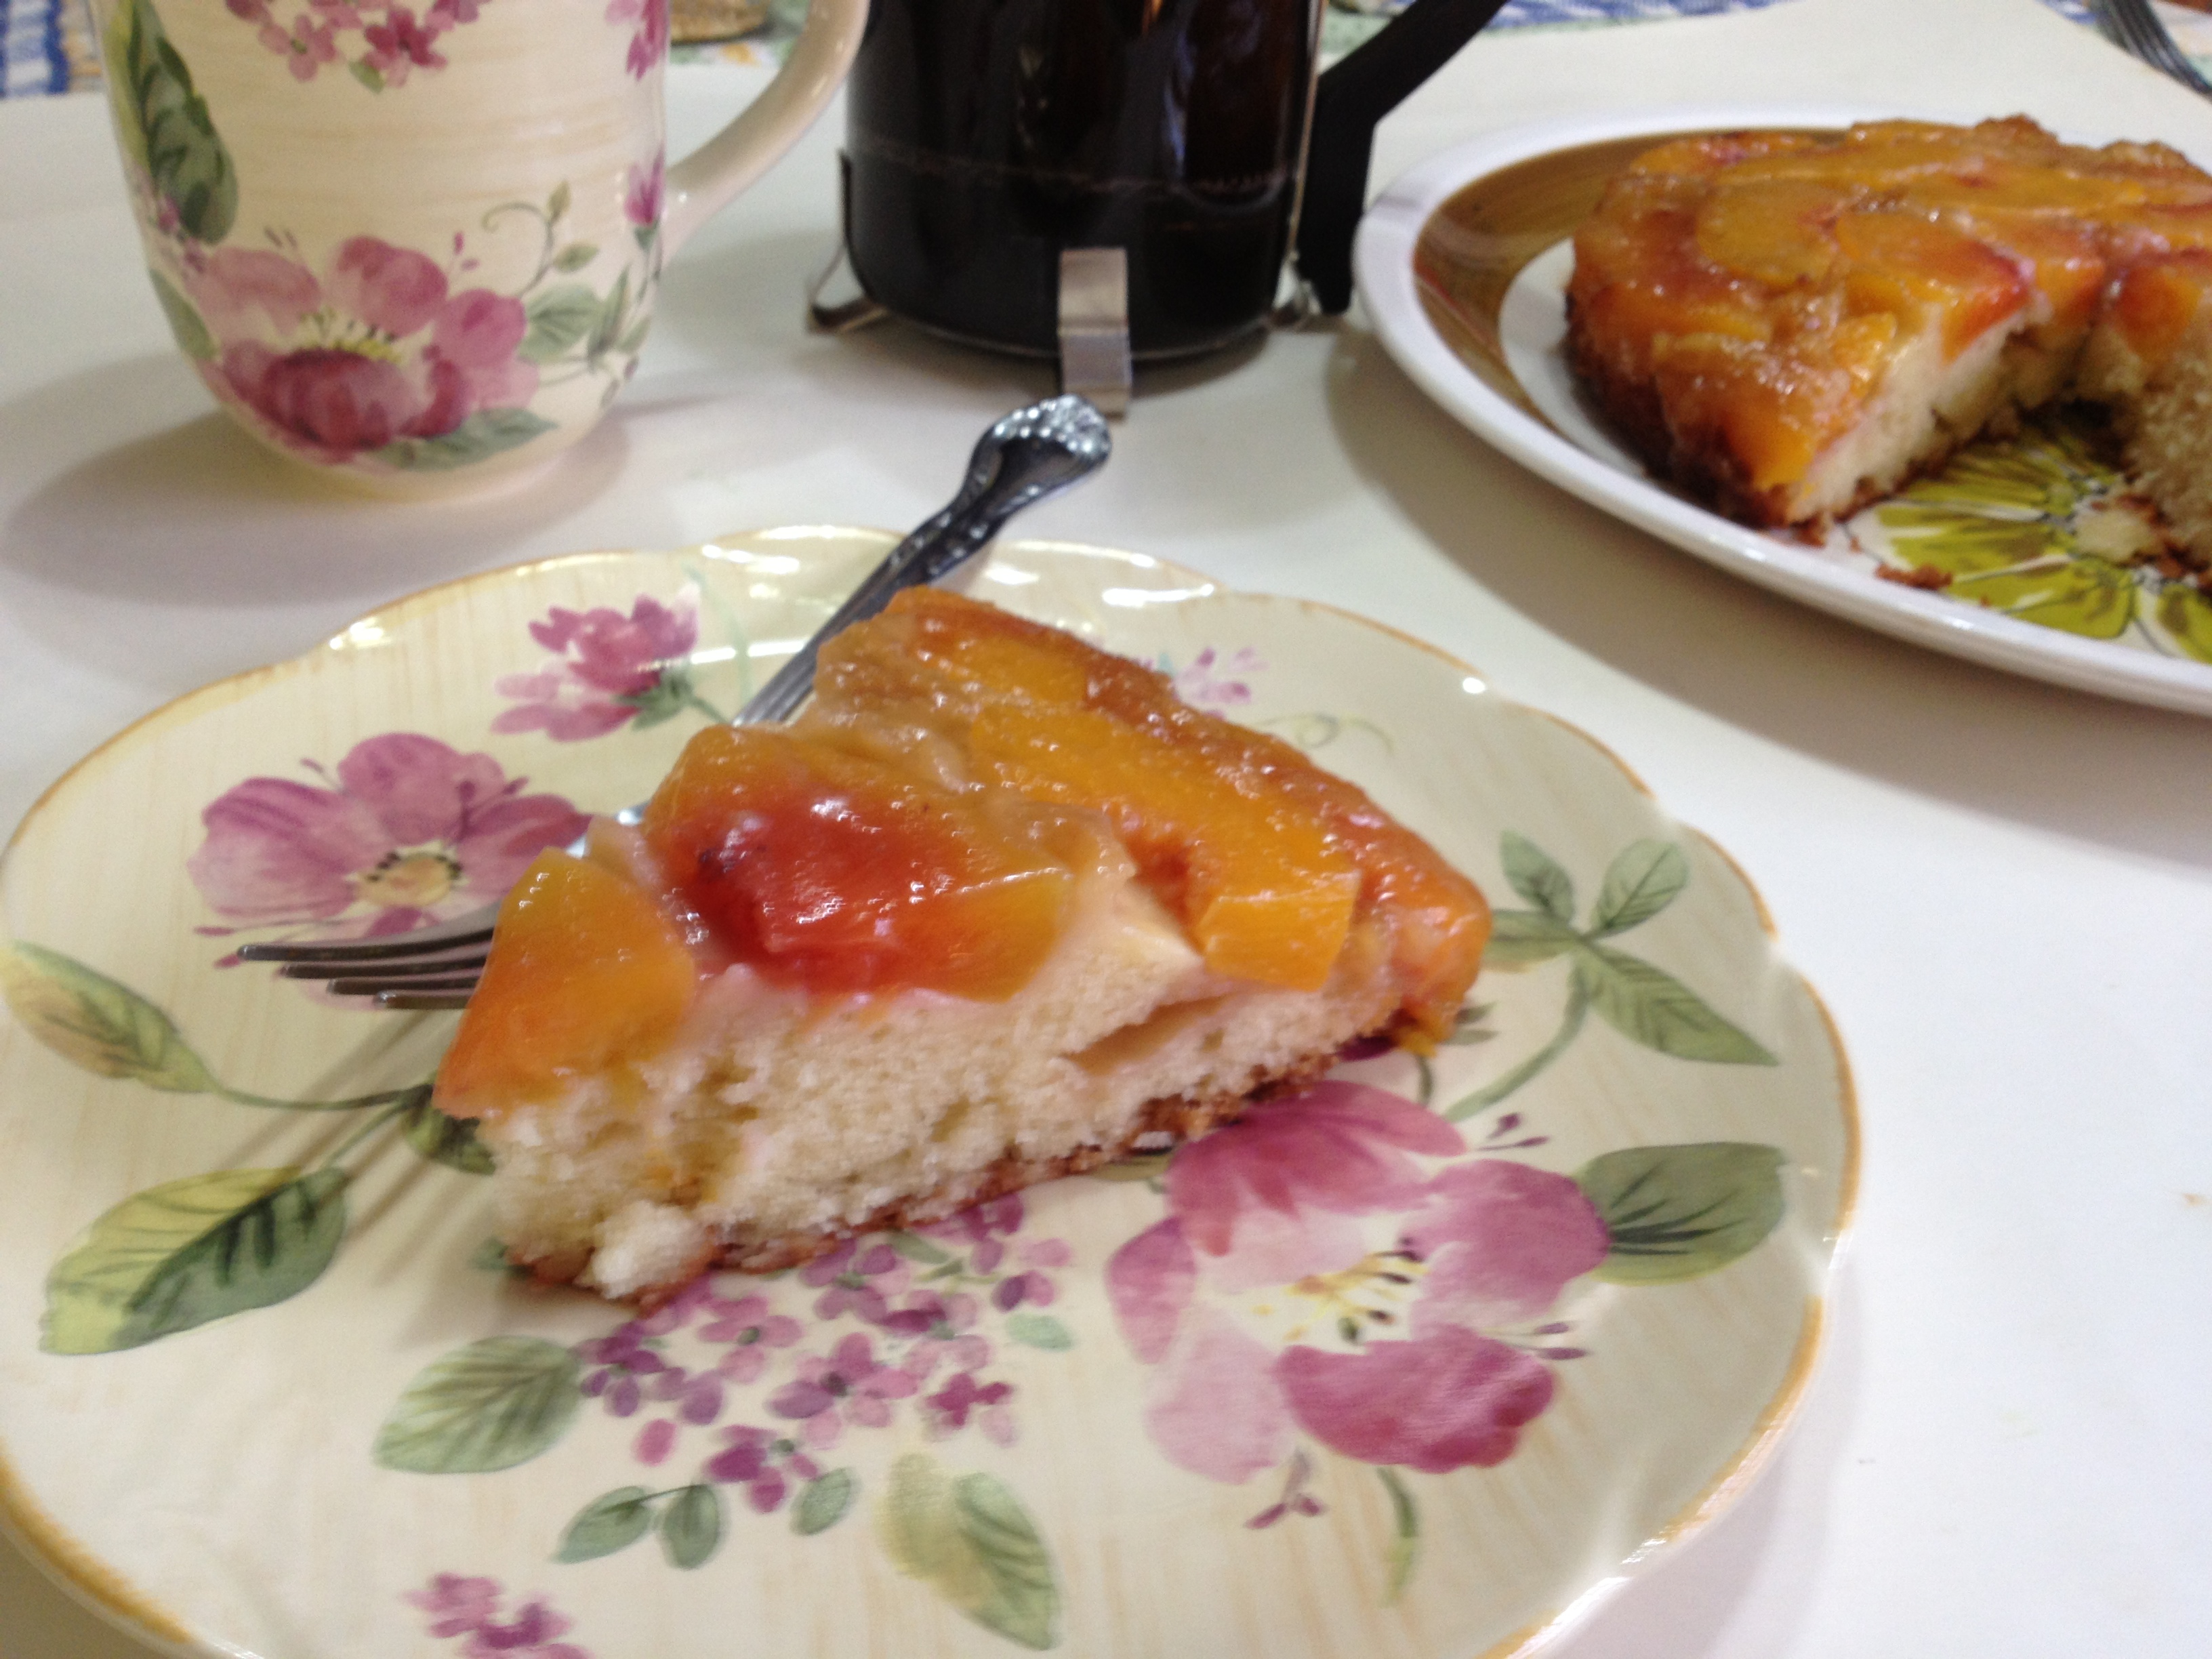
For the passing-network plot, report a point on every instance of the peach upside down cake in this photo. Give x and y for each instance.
(997, 907)
(1790, 324)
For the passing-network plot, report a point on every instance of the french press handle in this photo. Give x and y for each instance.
(1349, 99)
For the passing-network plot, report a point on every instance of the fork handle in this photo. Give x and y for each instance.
(935, 550)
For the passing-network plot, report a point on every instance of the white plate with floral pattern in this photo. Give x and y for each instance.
(2030, 554)
(1411, 1364)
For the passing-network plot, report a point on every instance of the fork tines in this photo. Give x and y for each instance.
(2136, 29)
(470, 963)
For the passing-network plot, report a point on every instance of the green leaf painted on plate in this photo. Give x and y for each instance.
(167, 126)
(971, 1541)
(1648, 1004)
(557, 320)
(1941, 538)
(1522, 938)
(574, 257)
(91, 1021)
(670, 693)
(367, 74)
(2186, 615)
(914, 1247)
(556, 204)
(491, 1257)
(2087, 595)
(1675, 1212)
(822, 1503)
(606, 1524)
(191, 334)
(2044, 472)
(1036, 1330)
(1644, 878)
(451, 1141)
(691, 1525)
(188, 1251)
(1537, 877)
(1138, 1166)
(487, 433)
(499, 1402)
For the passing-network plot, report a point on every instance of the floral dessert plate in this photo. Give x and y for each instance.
(2027, 554)
(1414, 1363)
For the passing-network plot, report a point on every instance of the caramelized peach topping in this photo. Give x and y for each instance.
(925, 825)
(840, 872)
(585, 969)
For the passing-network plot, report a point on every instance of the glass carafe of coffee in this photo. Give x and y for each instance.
(985, 138)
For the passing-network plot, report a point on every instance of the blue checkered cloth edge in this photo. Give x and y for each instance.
(33, 59)
(44, 44)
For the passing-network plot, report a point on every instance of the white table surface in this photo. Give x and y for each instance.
(2003, 891)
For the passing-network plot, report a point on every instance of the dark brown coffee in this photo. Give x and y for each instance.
(984, 137)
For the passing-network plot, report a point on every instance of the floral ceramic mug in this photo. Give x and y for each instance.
(416, 246)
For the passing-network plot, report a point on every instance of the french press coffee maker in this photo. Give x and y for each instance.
(1032, 174)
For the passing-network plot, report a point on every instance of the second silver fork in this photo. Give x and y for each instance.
(2135, 27)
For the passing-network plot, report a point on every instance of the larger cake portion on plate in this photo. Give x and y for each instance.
(997, 907)
(1790, 324)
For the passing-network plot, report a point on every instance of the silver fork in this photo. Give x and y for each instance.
(1035, 452)
(2135, 29)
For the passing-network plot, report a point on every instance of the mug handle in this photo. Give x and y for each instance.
(711, 176)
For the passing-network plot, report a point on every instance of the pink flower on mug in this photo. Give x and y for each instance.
(400, 44)
(641, 201)
(649, 41)
(612, 669)
(375, 349)
(1270, 1304)
(306, 48)
(405, 831)
(395, 42)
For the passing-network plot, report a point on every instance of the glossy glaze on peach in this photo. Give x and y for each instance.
(924, 826)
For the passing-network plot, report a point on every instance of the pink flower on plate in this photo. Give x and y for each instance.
(470, 1607)
(1268, 1305)
(608, 663)
(456, 1605)
(374, 348)
(859, 1276)
(751, 1331)
(1206, 684)
(850, 1383)
(763, 1463)
(649, 43)
(407, 831)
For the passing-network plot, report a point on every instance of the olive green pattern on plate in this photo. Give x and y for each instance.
(2043, 526)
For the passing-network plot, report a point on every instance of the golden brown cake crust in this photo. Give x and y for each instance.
(1699, 463)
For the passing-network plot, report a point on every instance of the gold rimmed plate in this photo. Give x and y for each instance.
(1413, 1366)
(2028, 553)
